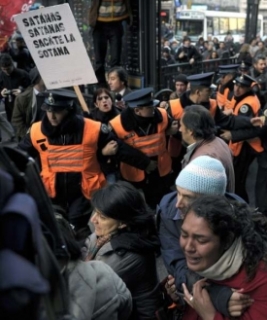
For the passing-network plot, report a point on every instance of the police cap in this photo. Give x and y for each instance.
(202, 79)
(141, 98)
(244, 80)
(58, 100)
(230, 68)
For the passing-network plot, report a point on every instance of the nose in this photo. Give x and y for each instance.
(94, 218)
(189, 245)
(179, 202)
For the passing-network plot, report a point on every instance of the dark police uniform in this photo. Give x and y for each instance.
(225, 92)
(245, 151)
(147, 134)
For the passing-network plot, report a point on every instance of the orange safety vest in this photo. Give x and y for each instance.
(174, 145)
(70, 158)
(177, 110)
(151, 145)
(230, 103)
(255, 143)
(221, 98)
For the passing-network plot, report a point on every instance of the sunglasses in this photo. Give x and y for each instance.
(103, 97)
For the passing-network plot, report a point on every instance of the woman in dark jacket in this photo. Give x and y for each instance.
(104, 111)
(125, 238)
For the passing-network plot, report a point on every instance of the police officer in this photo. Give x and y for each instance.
(70, 148)
(144, 127)
(200, 94)
(227, 74)
(247, 104)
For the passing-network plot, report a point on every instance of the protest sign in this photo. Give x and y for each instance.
(54, 41)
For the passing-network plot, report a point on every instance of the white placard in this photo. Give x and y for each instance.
(54, 41)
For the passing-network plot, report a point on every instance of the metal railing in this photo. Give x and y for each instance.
(170, 72)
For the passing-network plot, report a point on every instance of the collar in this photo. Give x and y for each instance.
(122, 92)
(240, 98)
(36, 91)
(190, 147)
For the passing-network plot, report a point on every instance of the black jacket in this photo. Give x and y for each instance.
(132, 257)
(108, 164)
(17, 79)
(189, 53)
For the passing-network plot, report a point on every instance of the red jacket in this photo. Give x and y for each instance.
(256, 289)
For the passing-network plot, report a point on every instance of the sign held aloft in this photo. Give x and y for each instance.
(54, 41)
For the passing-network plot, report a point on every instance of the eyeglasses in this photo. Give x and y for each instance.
(103, 97)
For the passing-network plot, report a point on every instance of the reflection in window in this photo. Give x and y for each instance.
(192, 28)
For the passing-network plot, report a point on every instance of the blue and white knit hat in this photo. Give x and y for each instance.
(203, 175)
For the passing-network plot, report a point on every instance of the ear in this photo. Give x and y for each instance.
(137, 111)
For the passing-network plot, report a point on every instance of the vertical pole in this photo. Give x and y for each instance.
(148, 30)
(252, 19)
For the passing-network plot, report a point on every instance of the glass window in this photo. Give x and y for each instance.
(210, 25)
(191, 28)
(216, 29)
(224, 25)
(241, 25)
(233, 25)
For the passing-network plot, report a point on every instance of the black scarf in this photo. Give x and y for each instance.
(104, 117)
(186, 102)
(70, 124)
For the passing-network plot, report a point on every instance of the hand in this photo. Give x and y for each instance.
(200, 300)
(171, 288)
(227, 112)
(152, 166)
(238, 303)
(16, 92)
(120, 104)
(4, 93)
(181, 55)
(192, 60)
(163, 104)
(173, 129)
(226, 135)
(258, 121)
(110, 149)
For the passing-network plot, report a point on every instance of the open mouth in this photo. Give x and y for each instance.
(192, 260)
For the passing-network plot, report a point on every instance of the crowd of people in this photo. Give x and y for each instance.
(134, 180)
(184, 51)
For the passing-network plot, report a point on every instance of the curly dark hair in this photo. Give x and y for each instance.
(231, 219)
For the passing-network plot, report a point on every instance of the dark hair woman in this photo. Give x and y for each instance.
(225, 243)
(125, 238)
(95, 290)
(104, 111)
